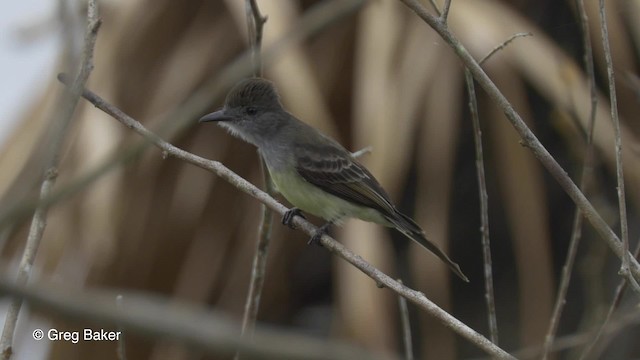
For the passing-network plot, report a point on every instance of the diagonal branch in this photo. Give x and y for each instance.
(528, 137)
(327, 242)
(503, 45)
(615, 304)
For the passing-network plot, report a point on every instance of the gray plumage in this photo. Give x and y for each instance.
(311, 170)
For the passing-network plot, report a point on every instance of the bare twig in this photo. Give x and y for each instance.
(435, 7)
(482, 191)
(197, 328)
(61, 120)
(259, 266)
(503, 45)
(327, 242)
(615, 303)
(445, 11)
(406, 326)
(484, 210)
(24, 271)
(616, 325)
(528, 137)
(622, 203)
(255, 23)
(587, 169)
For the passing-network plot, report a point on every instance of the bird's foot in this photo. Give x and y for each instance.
(324, 229)
(287, 219)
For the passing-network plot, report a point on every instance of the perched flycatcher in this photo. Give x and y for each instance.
(312, 171)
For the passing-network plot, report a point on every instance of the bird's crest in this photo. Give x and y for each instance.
(255, 92)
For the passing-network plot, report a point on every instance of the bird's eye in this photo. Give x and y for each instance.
(251, 111)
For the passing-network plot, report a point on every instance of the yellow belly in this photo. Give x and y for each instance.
(311, 199)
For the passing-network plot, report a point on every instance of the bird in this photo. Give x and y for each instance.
(312, 171)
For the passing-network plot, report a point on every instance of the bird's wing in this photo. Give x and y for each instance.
(335, 171)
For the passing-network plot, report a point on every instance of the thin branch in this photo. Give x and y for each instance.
(484, 210)
(445, 11)
(255, 24)
(482, 192)
(615, 303)
(503, 45)
(622, 203)
(259, 266)
(435, 7)
(567, 268)
(62, 119)
(406, 326)
(528, 137)
(587, 170)
(327, 242)
(618, 324)
(197, 328)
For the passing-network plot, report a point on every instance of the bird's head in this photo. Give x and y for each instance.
(251, 111)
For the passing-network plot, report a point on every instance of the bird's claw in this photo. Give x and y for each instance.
(315, 239)
(287, 219)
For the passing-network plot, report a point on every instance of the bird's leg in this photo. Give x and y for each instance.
(324, 229)
(287, 219)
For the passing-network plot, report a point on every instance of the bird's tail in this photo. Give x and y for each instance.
(410, 229)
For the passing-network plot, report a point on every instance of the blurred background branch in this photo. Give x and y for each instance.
(196, 327)
(61, 120)
(586, 176)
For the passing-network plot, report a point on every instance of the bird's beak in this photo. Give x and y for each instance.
(219, 115)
